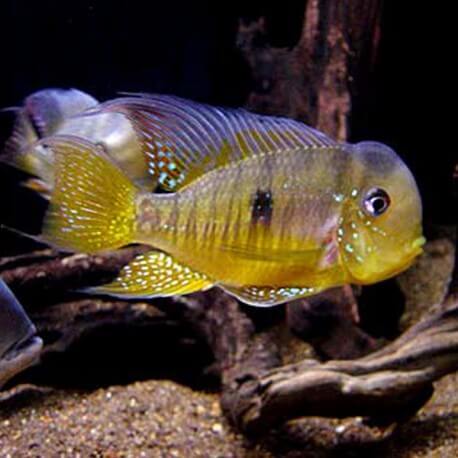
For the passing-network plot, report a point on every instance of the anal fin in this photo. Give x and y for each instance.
(268, 296)
(154, 274)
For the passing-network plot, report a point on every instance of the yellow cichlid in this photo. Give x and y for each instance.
(266, 208)
(63, 112)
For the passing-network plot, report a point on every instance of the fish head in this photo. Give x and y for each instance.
(43, 113)
(380, 230)
(20, 347)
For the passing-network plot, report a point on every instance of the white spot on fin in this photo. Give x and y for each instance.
(265, 296)
(154, 274)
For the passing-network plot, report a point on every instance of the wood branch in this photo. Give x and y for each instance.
(27, 259)
(329, 321)
(313, 81)
(46, 282)
(240, 351)
(454, 280)
(387, 386)
(52, 273)
(64, 323)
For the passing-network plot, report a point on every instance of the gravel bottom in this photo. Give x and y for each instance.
(164, 419)
(147, 419)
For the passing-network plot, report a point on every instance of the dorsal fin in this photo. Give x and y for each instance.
(183, 139)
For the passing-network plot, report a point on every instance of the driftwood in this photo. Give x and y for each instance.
(311, 82)
(48, 272)
(388, 386)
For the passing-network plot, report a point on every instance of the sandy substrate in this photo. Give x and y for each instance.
(155, 418)
(164, 419)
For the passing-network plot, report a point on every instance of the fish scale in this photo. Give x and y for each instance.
(217, 205)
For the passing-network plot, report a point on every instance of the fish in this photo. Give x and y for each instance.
(63, 111)
(266, 208)
(20, 347)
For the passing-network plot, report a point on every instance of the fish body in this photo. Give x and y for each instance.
(63, 112)
(245, 222)
(266, 208)
(19, 345)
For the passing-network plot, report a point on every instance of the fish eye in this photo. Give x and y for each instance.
(376, 202)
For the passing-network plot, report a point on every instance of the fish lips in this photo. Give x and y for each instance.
(19, 358)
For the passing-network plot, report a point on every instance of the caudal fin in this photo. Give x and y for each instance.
(92, 205)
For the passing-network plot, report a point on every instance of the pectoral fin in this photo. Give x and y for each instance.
(267, 296)
(154, 274)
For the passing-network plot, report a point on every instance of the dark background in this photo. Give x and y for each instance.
(188, 48)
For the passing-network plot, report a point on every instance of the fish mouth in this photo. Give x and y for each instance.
(20, 347)
(414, 250)
(19, 357)
(392, 267)
(417, 244)
(24, 346)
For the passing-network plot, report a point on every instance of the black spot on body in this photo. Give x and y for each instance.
(262, 207)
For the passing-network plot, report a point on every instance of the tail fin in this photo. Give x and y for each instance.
(92, 206)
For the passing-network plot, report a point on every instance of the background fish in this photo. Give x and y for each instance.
(62, 111)
(20, 347)
(266, 208)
